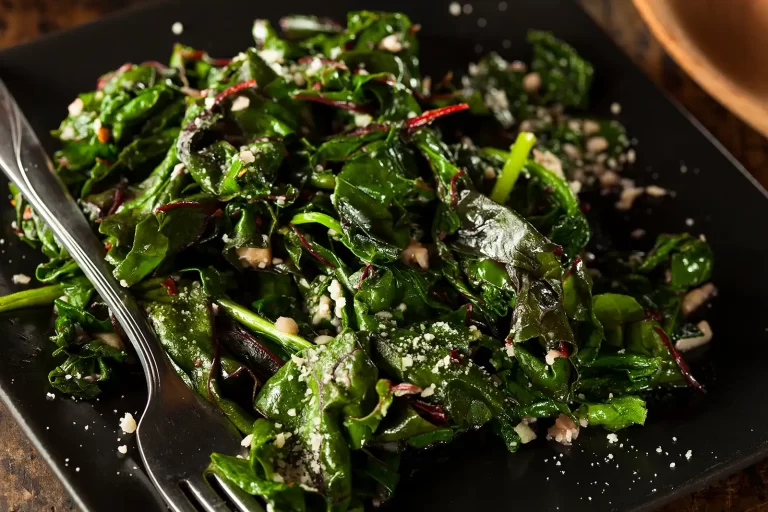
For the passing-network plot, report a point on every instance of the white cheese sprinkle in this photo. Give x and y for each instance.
(612, 438)
(247, 157)
(454, 8)
(247, 440)
(323, 339)
(128, 424)
(122, 449)
(291, 412)
(240, 103)
(21, 279)
(177, 28)
(76, 107)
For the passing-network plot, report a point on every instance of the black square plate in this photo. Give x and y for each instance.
(724, 430)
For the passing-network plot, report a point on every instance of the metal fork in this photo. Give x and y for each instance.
(178, 430)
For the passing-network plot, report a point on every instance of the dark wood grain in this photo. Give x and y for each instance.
(26, 482)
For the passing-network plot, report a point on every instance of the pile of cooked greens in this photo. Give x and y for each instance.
(321, 242)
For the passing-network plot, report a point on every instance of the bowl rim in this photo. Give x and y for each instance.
(687, 55)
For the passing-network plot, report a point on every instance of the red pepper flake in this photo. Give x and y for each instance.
(170, 285)
(454, 191)
(107, 246)
(364, 275)
(509, 342)
(558, 251)
(346, 105)
(198, 363)
(456, 356)
(468, 315)
(414, 28)
(27, 213)
(221, 61)
(317, 86)
(103, 134)
(234, 90)
(684, 369)
(564, 349)
(585, 207)
(258, 220)
(576, 262)
(430, 115)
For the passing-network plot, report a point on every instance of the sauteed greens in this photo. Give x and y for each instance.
(352, 260)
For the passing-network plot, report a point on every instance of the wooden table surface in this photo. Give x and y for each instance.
(26, 482)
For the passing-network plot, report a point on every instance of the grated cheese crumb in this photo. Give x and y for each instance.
(21, 279)
(177, 28)
(247, 440)
(247, 157)
(428, 391)
(240, 103)
(122, 449)
(128, 424)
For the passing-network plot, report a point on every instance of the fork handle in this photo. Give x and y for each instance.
(25, 162)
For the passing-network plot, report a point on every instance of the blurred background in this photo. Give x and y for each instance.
(26, 482)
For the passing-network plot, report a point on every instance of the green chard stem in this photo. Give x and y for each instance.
(29, 298)
(263, 326)
(319, 218)
(518, 155)
(325, 181)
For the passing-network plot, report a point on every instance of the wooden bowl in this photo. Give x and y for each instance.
(722, 44)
